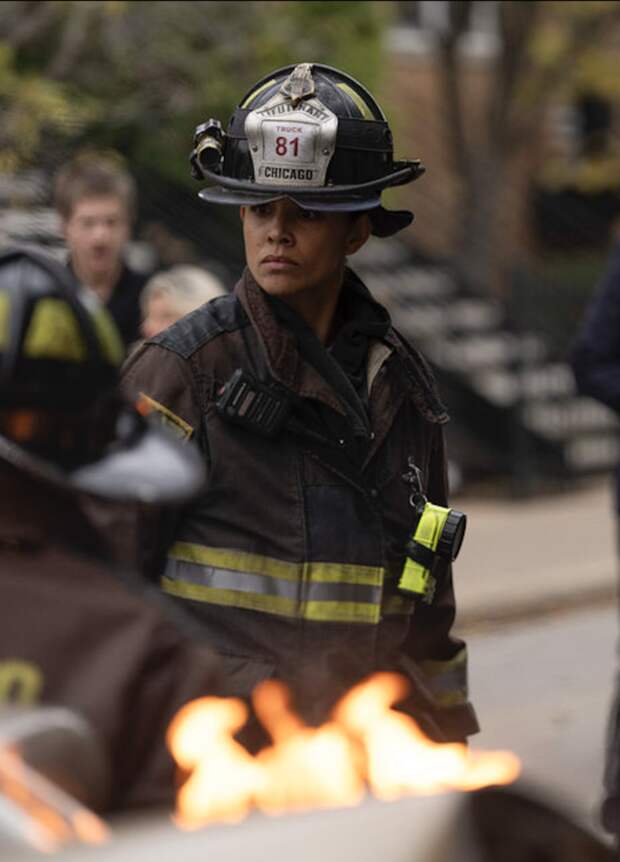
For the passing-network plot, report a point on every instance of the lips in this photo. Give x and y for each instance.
(100, 251)
(278, 260)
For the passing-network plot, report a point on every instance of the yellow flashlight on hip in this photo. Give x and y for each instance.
(438, 535)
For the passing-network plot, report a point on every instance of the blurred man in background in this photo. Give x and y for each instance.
(596, 365)
(96, 200)
(168, 296)
(75, 631)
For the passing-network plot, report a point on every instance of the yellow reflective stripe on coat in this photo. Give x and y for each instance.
(326, 592)
(21, 682)
(447, 680)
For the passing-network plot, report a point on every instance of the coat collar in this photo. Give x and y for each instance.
(284, 361)
(289, 368)
(418, 378)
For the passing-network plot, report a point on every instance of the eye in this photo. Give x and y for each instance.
(312, 215)
(260, 209)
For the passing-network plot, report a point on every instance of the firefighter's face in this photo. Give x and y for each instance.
(292, 252)
(96, 233)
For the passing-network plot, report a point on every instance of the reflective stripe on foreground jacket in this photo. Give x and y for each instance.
(292, 554)
(327, 592)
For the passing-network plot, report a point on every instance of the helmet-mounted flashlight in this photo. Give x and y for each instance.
(208, 149)
(438, 535)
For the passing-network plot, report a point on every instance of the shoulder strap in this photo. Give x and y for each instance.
(186, 336)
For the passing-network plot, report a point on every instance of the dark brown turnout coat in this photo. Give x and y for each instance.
(292, 555)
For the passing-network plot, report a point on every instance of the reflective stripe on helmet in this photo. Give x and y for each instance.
(257, 92)
(328, 592)
(447, 679)
(53, 332)
(364, 109)
(109, 338)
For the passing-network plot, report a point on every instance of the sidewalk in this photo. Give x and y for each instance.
(526, 558)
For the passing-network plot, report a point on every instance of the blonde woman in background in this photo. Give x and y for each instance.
(170, 295)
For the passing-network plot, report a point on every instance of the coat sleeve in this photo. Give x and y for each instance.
(439, 657)
(162, 384)
(595, 355)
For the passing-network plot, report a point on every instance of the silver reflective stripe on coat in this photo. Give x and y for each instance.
(327, 592)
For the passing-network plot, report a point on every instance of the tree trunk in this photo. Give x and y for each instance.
(479, 238)
(482, 160)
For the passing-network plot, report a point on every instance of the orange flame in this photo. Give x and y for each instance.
(366, 743)
(225, 776)
(401, 759)
(306, 767)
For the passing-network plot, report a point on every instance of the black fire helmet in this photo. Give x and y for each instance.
(310, 133)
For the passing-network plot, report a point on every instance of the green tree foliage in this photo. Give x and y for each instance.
(139, 76)
(31, 108)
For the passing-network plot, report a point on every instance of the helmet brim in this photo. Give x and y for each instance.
(383, 222)
(388, 222)
(147, 465)
(404, 172)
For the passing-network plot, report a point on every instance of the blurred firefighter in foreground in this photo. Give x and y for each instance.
(71, 632)
(308, 407)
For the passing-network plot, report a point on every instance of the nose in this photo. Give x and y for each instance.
(279, 230)
(101, 231)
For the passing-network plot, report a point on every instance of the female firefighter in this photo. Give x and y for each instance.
(308, 407)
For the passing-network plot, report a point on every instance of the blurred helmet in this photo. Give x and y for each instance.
(61, 414)
(59, 349)
(310, 133)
